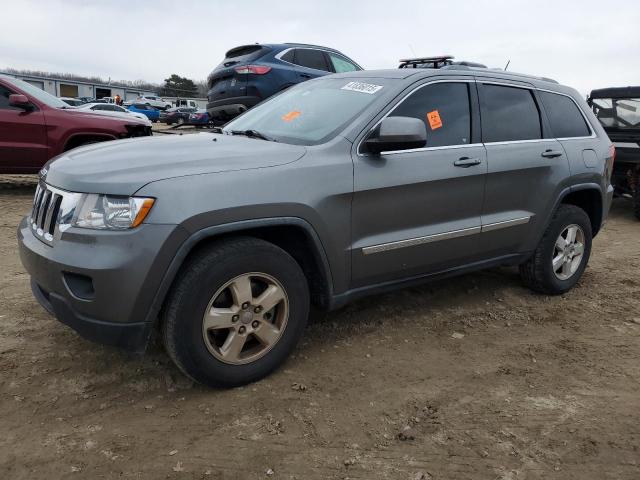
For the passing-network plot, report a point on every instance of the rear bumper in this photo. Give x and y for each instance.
(231, 106)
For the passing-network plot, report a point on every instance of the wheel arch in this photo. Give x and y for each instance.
(79, 138)
(588, 197)
(294, 235)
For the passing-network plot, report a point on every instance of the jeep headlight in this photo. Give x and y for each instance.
(111, 212)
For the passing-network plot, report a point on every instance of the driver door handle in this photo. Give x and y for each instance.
(551, 153)
(466, 162)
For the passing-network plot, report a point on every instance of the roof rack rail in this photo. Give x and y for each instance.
(440, 61)
(310, 45)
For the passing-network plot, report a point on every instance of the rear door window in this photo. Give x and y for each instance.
(564, 116)
(508, 114)
(310, 58)
(445, 110)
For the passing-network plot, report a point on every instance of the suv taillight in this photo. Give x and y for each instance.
(257, 69)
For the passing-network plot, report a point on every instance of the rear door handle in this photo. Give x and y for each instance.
(466, 162)
(551, 153)
(305, 75)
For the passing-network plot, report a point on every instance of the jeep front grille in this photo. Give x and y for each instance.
(51, 207)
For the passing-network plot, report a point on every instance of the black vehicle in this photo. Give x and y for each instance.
(618, 111)
(177, 115)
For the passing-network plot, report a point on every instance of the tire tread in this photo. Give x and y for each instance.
(532, 271)
(187, 279)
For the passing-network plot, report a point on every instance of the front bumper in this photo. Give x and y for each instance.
(129, 336)
(102, 284)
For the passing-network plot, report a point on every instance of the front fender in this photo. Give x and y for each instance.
(234, 227)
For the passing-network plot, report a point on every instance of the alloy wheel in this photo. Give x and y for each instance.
(568, 252)
(245, 318)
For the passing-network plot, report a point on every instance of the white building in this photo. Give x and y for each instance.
(73, 88)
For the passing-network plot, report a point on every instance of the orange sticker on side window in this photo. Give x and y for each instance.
(434, 119)
(292, 115)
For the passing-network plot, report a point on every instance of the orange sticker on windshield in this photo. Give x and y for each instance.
(291, 116)
(434, 119)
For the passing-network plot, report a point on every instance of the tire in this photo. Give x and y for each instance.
(194, 350)
(538, 272)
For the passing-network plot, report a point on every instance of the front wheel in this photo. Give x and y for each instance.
(237, 310)
(563, 253)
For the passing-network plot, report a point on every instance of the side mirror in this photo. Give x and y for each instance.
(398, 133)
(20, 101)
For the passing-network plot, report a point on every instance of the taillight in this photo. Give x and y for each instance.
(257, 69)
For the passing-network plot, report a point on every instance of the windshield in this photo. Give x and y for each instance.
(37, 93)
(617, 112)
(311, 112)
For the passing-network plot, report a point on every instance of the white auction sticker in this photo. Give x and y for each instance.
(362, 87)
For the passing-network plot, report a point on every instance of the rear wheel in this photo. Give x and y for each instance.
(237, 310)
(563, 253)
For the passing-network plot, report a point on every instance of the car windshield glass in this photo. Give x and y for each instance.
(312, 112)
(38, 94)
(617, 112)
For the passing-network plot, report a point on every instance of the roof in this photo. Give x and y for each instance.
(389, 73)
(616, 92)
(276, 46)
(402, 73)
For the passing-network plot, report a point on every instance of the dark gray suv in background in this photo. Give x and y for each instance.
(340, 187)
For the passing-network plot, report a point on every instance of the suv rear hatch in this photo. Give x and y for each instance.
(225, 81)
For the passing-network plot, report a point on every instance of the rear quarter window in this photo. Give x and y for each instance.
(310, 58)
(564, 116)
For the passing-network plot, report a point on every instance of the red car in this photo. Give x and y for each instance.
(36, 126)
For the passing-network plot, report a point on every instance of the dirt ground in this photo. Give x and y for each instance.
(470, 378)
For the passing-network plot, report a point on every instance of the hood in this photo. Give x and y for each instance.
(121, 167)
(80, 113)
(122, 115)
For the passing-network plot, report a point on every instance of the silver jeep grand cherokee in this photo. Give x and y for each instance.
(340, 187)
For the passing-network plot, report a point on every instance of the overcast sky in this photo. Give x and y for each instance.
(586, 44)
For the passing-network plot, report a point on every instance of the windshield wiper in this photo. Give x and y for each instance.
(253, 134)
